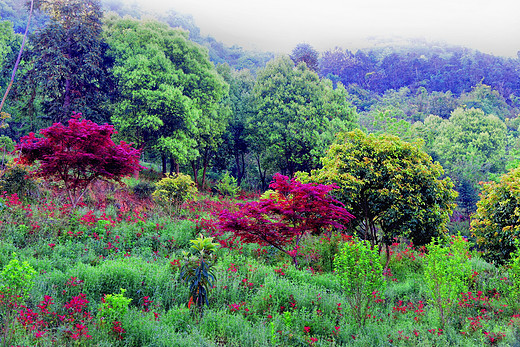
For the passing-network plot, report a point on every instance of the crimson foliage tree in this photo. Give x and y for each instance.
(292, 211)
(78, 154)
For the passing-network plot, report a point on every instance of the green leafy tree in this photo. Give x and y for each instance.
(67, 61)
(8, 45)
(296, 114)
(488, 100)
(392, 187)
(470, 145)
(303, 52)
(168, 91)
(233, 152)
(495, 224)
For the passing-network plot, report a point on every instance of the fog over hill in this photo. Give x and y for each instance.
(278, 25)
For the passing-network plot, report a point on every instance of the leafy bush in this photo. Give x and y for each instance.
(16, 280)
(113, 308)
(227, 185)
(172, 191)
(447, 273)
(15, 180)
(495, 224)
(513, 287)
(360, 273)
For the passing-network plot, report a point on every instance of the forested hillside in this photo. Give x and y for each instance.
(194, 105)
(159, 188)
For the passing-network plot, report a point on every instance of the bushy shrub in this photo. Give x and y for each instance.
(227, 185)
(360, 273)
(16, 280)
(447, 273)
(15, 180)
(113, 308)
(172, 191)
(511, 284)
(143, 190)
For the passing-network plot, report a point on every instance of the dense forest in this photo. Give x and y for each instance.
(194, 105)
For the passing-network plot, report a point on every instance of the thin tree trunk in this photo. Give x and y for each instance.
(205, 164)
(387, 258)
(195, 172)
(260, 173)
(174, 165)
(19, 57)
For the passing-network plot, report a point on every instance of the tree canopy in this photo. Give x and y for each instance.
(67, 66)
(392, 187)
(295, 116)
(496, 223)
(168, 91)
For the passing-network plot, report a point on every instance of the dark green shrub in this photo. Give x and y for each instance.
(143, 190)
(15, 180)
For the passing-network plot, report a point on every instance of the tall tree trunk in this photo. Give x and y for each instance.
(260, 173)
(163, 161)
(174, 166)
(241, 168)
(205, 164)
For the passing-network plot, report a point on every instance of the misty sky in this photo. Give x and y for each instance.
(491, 26)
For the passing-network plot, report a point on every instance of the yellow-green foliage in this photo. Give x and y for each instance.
(447, 273)
(114, 307)
(392, 187)
(496, 222)
(175, 189)
(227, 185)
(513, 291)
(360, 273)
(16, 280)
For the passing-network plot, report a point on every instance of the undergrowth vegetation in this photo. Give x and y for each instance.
(145, 261)
(109, 274)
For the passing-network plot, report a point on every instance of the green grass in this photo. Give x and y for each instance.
(258, 300)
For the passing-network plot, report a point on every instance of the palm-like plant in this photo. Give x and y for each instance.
(197, 270)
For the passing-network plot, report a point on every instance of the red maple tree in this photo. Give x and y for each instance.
(78, 154)
(294, 210)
